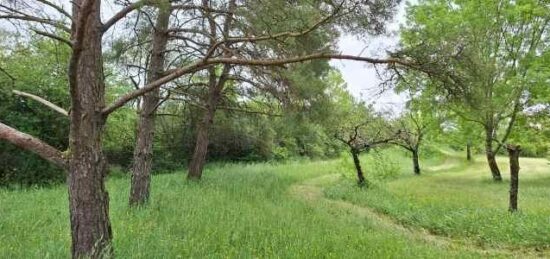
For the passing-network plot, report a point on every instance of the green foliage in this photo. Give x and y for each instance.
(119, 138)
(36, 68)
(484, 67)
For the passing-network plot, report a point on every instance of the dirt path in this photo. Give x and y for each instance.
(312, 192)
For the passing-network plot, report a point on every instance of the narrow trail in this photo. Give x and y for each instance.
(311, 191)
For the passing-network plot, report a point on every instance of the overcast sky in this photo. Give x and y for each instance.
(361, 79)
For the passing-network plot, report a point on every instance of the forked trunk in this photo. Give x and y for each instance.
(416, 164)
(88, 199)
(513, 154)
(143, 152)
(491, 160)
(357, 164)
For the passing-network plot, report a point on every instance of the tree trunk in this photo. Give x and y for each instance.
(201, 144)
(143, 152)
(513, 153)
(493, 166)
(88, 199)
(469, 151)
(357, 163)
(416, 164)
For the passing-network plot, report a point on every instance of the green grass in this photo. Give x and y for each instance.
(249, 211)
(458, 199)
(235, 211)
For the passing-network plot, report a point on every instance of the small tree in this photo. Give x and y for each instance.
(412, 128)
(362, 137)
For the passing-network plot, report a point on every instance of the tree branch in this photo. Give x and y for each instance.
(56, 7)
(202, 64)
(122, 13)
(53, 36)
(53, 23)
(42, 101)
(30, 143)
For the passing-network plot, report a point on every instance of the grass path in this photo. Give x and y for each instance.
(311, 190)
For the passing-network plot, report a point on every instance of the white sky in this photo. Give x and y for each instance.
(362, 79)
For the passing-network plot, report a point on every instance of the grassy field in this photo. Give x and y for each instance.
(278, 210)
(458, 199)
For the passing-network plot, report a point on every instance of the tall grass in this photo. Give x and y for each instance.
(458, 199)
(237, 210)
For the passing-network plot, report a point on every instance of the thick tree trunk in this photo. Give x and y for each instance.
(469, 151)
(513, 153)
(88, 199)
(143, 151)
(416, 164)
(357, 164)
(491, 160)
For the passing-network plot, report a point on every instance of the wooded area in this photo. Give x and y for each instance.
(92, 90)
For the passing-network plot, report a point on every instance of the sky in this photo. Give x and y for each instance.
(362, 80)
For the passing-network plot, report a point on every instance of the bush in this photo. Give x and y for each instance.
(534, 149)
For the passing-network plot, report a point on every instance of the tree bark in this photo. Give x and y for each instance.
(513, 154)
(491, 160)
(469, 151)
(357, 164)
(416, 164)
(143, 151)
(88, 199)
(201, 145)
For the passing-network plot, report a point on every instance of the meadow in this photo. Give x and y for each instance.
(302, 209)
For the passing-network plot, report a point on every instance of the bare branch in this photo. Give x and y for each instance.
(29, 18)
(42, 101)
(122, 13)
(53, 36)
(56, 7)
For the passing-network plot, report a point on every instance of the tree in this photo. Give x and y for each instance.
(360, 130)
(412, 128)
(481, 62)
(313, 33)
(143, 151)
